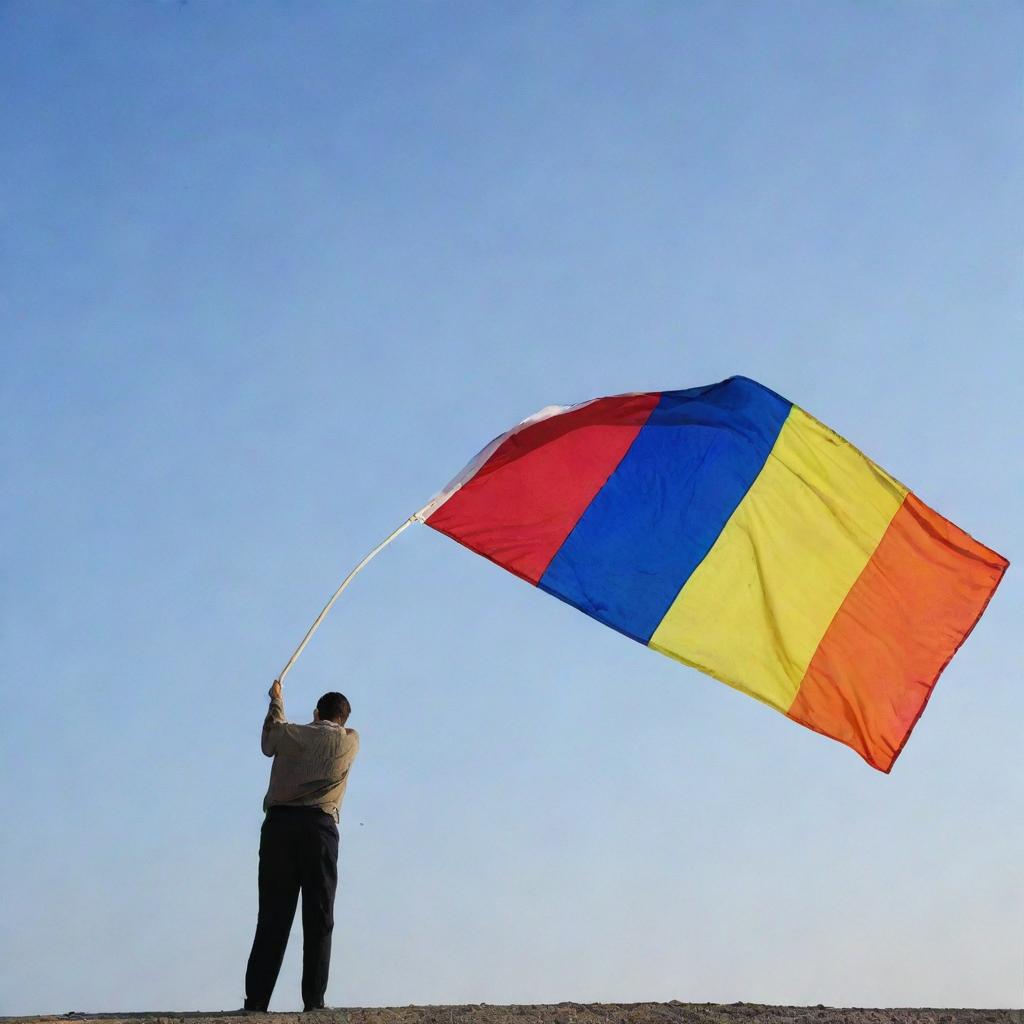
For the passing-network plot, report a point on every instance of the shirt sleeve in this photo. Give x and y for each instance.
(351, 747)
(272, 727)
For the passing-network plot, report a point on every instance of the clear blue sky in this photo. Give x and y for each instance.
(271, 273)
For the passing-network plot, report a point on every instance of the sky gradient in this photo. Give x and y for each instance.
(271, 273)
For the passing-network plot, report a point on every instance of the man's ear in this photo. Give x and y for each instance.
(316, 714)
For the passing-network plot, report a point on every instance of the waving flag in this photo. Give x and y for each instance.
(729, 529)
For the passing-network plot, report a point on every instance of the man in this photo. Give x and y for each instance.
(299, 843)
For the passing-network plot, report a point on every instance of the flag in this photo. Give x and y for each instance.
(727, 528)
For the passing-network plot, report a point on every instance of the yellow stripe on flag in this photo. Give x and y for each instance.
(754, 611)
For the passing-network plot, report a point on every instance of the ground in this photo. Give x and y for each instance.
(564, 1013)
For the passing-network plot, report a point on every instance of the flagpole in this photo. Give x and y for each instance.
(344, 583)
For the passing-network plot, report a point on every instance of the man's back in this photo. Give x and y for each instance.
(311, 762)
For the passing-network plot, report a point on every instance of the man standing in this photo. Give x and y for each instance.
(299, 843)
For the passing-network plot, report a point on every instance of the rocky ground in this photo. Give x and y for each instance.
(564, 1013)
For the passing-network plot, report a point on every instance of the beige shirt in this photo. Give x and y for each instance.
(311, 762)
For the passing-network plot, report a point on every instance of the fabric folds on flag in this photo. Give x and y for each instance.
(730, 530)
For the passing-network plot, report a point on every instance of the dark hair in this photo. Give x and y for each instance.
(334, 706)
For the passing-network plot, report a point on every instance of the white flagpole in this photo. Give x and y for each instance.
(344, 583)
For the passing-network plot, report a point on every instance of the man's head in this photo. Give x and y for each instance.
(333, 707)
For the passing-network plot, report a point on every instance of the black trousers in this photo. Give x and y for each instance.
(298, 851)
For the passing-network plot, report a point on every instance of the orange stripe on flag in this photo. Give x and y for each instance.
(914, 604)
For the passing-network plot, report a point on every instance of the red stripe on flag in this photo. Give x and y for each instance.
(524, 501)
(914, 604)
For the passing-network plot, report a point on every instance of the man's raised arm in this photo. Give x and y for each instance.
(275, 717)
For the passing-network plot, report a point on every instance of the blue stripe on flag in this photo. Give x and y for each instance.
(665, 504)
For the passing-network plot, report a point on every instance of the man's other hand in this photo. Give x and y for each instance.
(275, 690)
